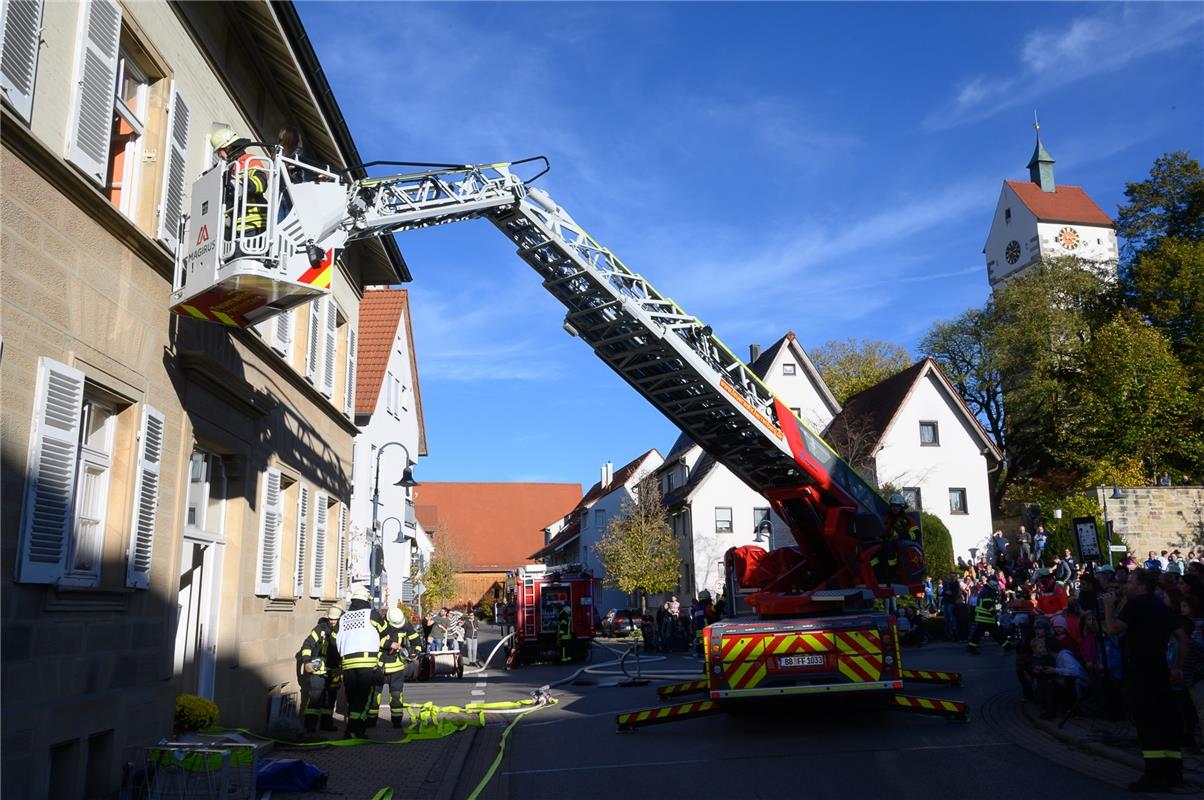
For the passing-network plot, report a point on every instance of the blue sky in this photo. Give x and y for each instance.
(825, 168)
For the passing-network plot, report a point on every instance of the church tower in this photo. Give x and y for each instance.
(1038, 219)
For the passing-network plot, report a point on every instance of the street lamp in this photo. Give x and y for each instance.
(1116, 495)
(407, 482)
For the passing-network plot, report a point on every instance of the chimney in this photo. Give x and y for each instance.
(608, 474)
(754, 352)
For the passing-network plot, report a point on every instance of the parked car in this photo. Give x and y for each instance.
(622, 622)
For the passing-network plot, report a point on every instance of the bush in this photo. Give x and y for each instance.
(194, 713)
(938, 546)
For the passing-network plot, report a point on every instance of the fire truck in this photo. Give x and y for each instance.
(532, 601)
(809, 619)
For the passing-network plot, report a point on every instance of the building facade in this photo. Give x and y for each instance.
(174, 492)
(573, 538)
(392, 437)
(917, 435)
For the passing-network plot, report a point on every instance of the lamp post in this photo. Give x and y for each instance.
(764, 532)
(1116, 495)
(407, 482)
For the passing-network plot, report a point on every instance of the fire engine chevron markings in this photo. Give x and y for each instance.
(683, 688)
(652, 716)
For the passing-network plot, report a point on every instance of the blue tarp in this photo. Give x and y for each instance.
(288, 775)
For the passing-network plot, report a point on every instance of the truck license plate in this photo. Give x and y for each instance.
(788, 662)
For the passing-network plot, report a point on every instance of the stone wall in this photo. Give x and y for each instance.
(1156, 517)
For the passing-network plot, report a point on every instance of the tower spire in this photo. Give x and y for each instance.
(1040, 166)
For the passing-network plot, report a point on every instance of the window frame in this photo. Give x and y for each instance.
(936, 433)
(730, 526)
(915, 497)
(100, 460)
(958, 492)
(789, 368)
(132, 150)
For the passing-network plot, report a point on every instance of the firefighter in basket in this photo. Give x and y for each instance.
(564, 634)
(898, 525)
(320, 678)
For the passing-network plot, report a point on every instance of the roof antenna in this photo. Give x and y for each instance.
(1036, 123)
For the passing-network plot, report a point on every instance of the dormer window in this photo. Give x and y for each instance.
(788, 368)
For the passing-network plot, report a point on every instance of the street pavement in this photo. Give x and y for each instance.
(804, 749)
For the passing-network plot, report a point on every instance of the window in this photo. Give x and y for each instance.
(914, 501)
(20, 38)
(66, 510)
(206, 492)
(668, 482)
(599, 518)
(723, 520)
(929, 436)
(126, 138)
(1007, 216)
(760, 517)
(97, 421)
(789, 368)
(957, 501)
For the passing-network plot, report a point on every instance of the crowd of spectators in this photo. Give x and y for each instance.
(1092, 638)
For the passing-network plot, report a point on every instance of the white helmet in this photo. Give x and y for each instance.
(396, 617)
(334, 612)
(222, 137)
(897, 499)
(360, 592)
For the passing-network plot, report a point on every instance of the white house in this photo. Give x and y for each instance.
(915, 432)
(392, 436)
(573, 538)
(710, 509)
(1038, 219)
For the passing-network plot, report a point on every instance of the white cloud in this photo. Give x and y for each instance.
(1050, 58)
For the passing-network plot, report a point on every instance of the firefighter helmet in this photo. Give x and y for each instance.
(360, 592)
(222, 138)
(898, 499)
(334, 612)
(396, 617)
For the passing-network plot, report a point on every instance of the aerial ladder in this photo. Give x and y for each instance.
(807, 619)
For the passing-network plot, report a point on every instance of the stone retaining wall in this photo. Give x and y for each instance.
(1156, 517)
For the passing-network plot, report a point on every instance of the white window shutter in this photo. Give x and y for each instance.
(146, 499)
(302, 540)
(20, 38)
(313, 341)
(171, 207)
(349, 389)
(96, 77)
(47, 510)
(321, 515)
(282, 333)
(329, 349)
(267, 576)
(340, 565)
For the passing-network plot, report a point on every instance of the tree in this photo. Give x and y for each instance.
(1166, 284)
(441, 577)
(1169, 205)
(963, 348)
(854, 365)
(938, 546)
(638, 551)
(1134, 402)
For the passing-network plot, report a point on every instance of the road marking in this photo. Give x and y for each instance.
(481, 683)
(478, 692)
(757, 756)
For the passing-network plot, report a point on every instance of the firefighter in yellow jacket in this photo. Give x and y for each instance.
(319, 660)
(395, 642)
(898, 525)
(359, 647)
(564, 634)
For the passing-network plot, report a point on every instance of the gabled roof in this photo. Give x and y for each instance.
(493, 526)
(789, 341)
(1064, 204)
(595, 493)
(702, 468)
(381, 311)
(871, 412)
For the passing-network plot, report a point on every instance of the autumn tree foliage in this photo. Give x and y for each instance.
(855, 365)
(638, 551)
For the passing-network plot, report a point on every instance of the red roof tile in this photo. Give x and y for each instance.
(1064, 204)
(494, 526)
(381, 310)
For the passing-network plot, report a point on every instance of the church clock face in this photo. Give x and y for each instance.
(1012, 252)
(1068, 237)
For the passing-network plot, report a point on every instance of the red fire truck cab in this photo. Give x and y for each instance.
(534, 597)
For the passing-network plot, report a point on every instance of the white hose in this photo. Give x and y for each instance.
(492, 653)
